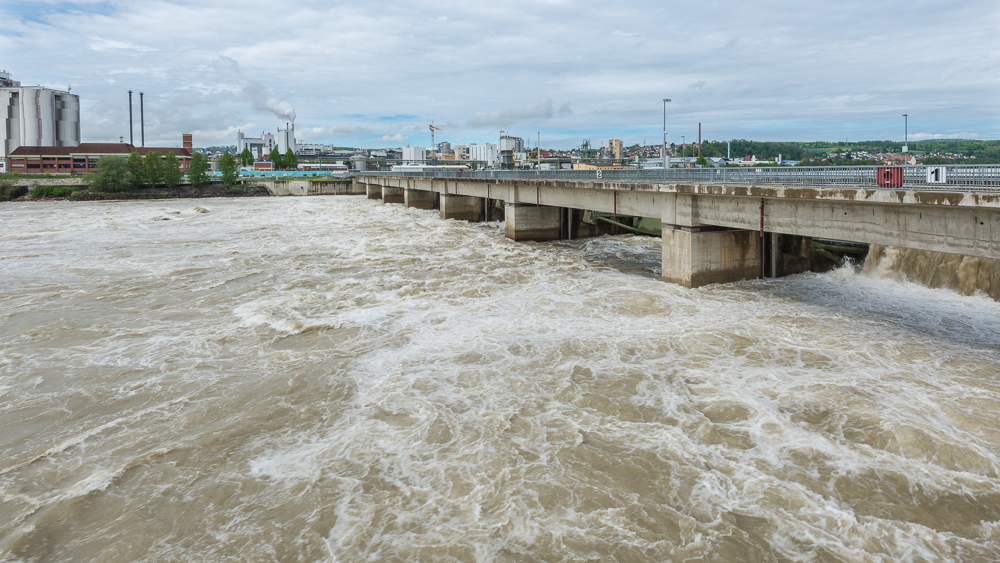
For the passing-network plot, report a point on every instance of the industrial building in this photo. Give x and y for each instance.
(259, 147)
(84, 157)
(282, 139)
(36, 116)
(512, 144)
(286, 138)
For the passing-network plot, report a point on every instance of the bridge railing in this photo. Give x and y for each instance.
(931, 177)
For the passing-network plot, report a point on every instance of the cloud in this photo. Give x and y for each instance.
(397, 138)
(100, 44)
(341, 130)
(540, 109)
(811, 74)
(932, 136)
(223, 63)
(262, 100)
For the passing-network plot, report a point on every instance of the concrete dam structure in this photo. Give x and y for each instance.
(714, 232)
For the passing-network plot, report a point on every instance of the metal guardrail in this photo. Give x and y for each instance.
(917, 177)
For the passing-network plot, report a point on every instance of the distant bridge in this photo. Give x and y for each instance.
(722, 225)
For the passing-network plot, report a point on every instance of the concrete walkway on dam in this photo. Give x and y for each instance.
(713, 233)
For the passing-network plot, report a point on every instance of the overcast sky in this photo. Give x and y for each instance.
(375, 74)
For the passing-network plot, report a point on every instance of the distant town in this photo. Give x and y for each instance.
(42, 136)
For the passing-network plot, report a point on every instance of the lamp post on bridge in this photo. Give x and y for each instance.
(906, 133)
(666, 159)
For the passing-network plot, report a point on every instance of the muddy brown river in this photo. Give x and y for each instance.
(333, 379)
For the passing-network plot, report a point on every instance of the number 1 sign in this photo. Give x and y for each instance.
(936, 175)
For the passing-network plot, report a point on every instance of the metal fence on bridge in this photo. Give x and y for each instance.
(930, 177)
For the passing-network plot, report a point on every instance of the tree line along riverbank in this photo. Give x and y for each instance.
(78, 192)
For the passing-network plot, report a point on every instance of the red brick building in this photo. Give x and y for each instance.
(83, 158)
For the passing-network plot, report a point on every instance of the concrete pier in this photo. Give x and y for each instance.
(693, 257)
(525, 221)
(463, 207)
(374, 191)
(392, 195)
(420, 199)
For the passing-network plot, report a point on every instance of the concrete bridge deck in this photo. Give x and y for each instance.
(716, 232)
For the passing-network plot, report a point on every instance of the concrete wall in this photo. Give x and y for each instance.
(308, 187)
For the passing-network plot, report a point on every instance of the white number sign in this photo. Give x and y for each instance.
(936, 175)
(599, 173)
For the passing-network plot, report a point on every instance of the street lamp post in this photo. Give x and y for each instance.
(666, 160)
(683, 152)
(906, 132)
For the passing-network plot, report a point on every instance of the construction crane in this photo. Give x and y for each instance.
(433, 128)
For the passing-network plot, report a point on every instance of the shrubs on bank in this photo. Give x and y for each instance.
(51, 191)
(115, 174)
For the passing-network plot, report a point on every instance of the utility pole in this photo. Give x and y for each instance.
(666, 159)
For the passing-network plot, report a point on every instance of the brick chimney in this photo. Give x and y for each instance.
(188, 143)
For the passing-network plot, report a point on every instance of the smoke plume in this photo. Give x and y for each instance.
(262, 100)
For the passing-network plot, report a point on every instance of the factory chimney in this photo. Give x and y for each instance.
(131, 139)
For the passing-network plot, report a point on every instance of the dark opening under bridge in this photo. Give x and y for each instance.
(727, 224)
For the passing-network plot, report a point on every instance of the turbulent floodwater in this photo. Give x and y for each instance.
(329, 378)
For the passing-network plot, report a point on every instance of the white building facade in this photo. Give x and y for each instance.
(486, 152)
(414, 155)
(286, 138)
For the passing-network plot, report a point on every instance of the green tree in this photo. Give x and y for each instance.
(275, 157)
(198, 175)
(246, 157)
(113, 174)
(290, 161)
(172, 174)
(228, 166)
(701, 160)
(154, 169)
(137, 173)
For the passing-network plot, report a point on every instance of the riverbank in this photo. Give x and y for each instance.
(179, 192)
